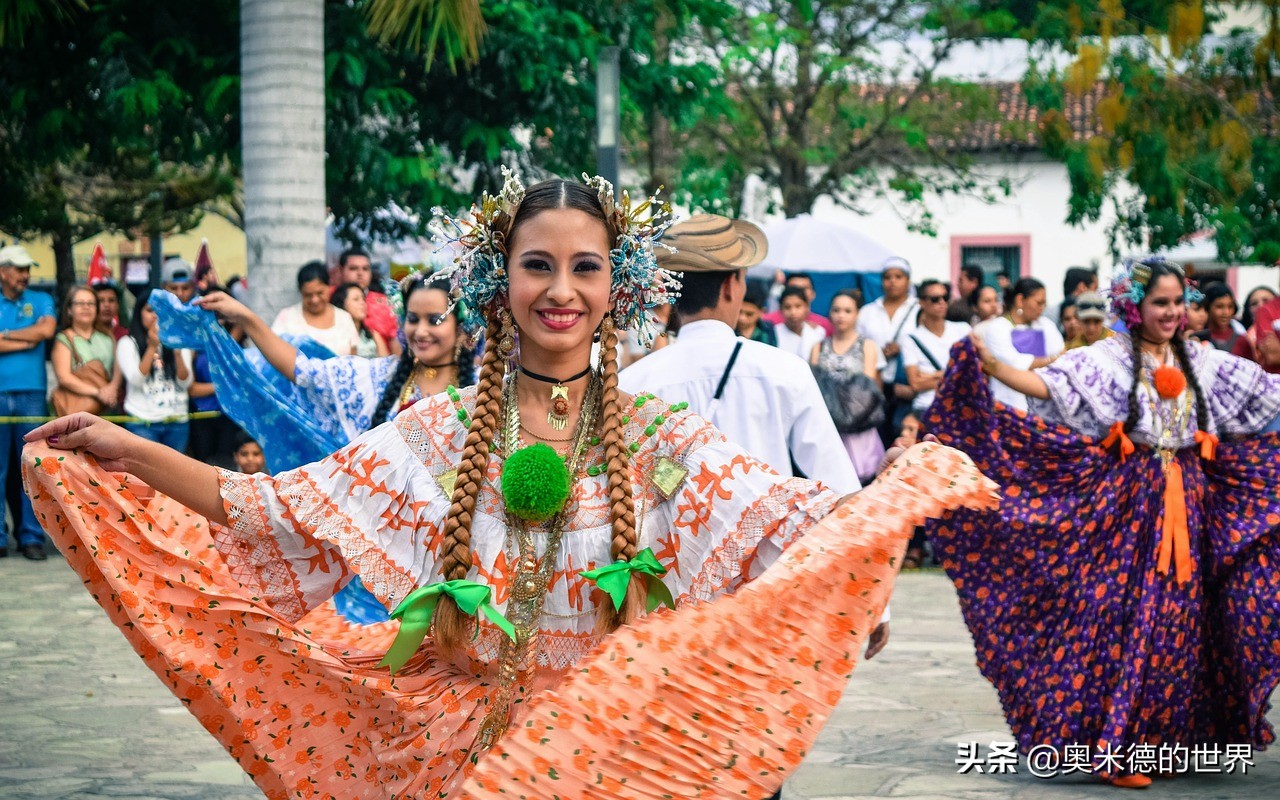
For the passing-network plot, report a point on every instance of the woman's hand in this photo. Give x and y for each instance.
(108, 395)
(106, 441)
(984, 355)
(226, 307)
(877, 640)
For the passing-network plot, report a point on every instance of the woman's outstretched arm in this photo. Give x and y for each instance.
(169, 472)
(279, 353)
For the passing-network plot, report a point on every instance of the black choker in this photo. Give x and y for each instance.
(556, 381)
(558, 414)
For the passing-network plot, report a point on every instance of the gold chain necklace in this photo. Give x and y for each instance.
(411, 384)
(532, 575)
(1175, 421)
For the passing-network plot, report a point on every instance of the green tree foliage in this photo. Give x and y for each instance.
(839, 98)
(1187, 125)
(405, 131)
(118, 118)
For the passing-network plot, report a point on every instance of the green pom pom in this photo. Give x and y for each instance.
(535, 483)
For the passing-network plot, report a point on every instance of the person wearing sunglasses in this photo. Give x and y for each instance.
(926, 350)
(1091, 311)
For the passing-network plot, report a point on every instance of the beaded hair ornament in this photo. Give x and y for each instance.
(397, 292)
(479, 276)
(1129, 287)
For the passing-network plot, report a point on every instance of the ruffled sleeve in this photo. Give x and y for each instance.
(1084, 392)
(371, 509)
(731, 516)
(1243, 398)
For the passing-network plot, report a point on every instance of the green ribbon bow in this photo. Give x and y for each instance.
(416, 610)
(613, 579)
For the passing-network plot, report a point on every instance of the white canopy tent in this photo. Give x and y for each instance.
(805, 244)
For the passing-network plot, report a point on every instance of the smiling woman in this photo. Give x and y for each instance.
(519, 558)
(1124, 595)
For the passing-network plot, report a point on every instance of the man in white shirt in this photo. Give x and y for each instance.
(927, 349)
(885, 320)
(758, 396)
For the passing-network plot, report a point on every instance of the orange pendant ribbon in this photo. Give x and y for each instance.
(1117, 434)
(1175, 540)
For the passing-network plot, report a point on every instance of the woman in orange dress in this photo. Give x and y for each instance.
(525, 531)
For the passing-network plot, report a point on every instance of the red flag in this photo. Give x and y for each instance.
(99, 272)
(206, 275)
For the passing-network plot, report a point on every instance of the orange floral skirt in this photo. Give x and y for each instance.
(693, 703)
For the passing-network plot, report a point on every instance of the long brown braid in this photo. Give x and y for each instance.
(622, 510)
(452, 627)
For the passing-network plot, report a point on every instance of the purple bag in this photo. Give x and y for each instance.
(1029, 341)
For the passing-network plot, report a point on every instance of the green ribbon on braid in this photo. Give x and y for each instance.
(416, 610)
(613, 580)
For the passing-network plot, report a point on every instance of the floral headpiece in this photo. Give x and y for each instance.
(479, 275)
(1129, 287)
(397, 293)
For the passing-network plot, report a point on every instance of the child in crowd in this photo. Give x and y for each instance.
(910, 433)
(248, 455)
(907, 436)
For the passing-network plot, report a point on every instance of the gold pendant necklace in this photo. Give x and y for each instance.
(558, 413)
(531, 575)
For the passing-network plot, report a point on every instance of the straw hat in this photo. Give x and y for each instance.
(712, 243)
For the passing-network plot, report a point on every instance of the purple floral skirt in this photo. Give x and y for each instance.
(1086, 642)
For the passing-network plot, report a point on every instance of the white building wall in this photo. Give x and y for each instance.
(1036, 208)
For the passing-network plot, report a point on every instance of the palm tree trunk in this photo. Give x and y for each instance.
(282, 108)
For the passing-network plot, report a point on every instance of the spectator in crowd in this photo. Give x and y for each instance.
(1252, 300)
(1023, 337)
(315, 316)
(927, 349)
(797, 335)
(1068, 319)
(848, 353)
(354, 266)
(80, 341)
(156, 381)
(351, 298)
(804, 282)
(1003, 283)
(884, 322)
(177, 277)
(751, 322)
(969, 281)
(212, 437)
(985, 302)
(1261, 343)
(27, 321)
(248, 454)
(108, 295)
(1223, 330)
(1077, 280)
(1197, 318)
(1091, 310)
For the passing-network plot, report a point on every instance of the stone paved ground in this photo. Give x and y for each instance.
(81, 718)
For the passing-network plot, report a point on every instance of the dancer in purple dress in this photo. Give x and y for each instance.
(1126, 592)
